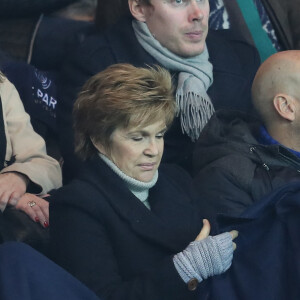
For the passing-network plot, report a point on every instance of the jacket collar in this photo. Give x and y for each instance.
(124, 44)
(224, 58)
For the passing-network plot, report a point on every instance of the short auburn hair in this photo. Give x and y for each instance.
(121, 96)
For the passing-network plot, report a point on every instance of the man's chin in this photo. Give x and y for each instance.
(191, 51)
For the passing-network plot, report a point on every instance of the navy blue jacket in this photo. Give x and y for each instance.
(234, 65)
(107, 238)
(28, 275)
(266, 264)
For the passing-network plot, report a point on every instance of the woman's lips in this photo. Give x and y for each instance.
(147, 166)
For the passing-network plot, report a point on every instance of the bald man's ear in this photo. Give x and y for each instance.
(138, 10)
(285, 106)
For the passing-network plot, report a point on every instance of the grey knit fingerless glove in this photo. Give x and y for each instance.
(205, 258)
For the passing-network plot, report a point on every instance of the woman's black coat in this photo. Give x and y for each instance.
(107, 238)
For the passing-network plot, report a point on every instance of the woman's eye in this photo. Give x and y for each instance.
(160, 136)
(137, 138)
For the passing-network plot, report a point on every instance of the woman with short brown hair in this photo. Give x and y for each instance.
(123, 228)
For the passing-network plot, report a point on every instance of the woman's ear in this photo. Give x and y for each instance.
(98, 145)
(285, 106)
(137, 10)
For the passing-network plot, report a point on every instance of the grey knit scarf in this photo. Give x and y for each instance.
(195, 77)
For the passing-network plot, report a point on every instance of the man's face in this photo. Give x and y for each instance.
(179, 25)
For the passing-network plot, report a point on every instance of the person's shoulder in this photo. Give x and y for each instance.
(5, 84)
(88, 56)
(93, 40)
(230, 46)
(117, 43)
(95, 50)
(73, 193)
(175, 175)
(227, 133)
(86, 188)
(228, 37)
(89, 42)
(9, 95)
(73, 188)
(77, 197)
(228, 124)
(224, 144)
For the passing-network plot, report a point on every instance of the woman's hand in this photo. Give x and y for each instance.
(204, 233)
(206, 256)
(35, 207)
(12, 187)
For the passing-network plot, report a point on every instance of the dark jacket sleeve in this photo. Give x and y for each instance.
(94, 262)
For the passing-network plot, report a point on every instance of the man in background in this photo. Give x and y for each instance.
(239, 159)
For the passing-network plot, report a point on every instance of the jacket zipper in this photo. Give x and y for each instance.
(263, 164)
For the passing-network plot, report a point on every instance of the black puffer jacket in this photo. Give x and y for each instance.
(232, 170)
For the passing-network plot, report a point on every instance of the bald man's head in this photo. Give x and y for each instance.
(278, 75)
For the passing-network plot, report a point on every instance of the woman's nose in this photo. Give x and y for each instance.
(152, 148)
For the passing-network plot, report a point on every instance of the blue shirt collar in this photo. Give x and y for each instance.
(265, 139)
